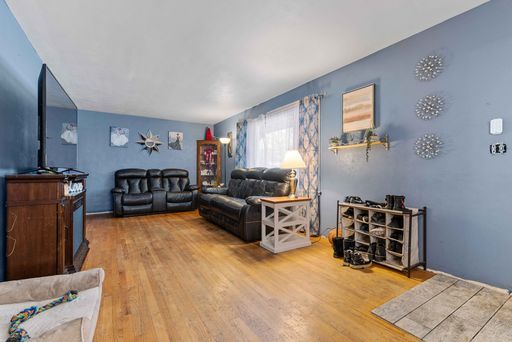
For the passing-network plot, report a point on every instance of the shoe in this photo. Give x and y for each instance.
(398, 202)
(389, 202)
(348, 244)
(372, 249)
(364, 228)
(360, 260)
(379, 218)
(353, 199)
(395, 246)
(347, 257)
(349, 212)
(397, 222)
(378, 231)
(373, 204)
(361, 248)
(380, 252)
(397, 235)
(362, 217)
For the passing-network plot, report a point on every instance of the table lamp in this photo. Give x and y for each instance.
(293, 160)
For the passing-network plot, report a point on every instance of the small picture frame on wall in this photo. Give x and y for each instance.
(69, 134)
(176, 141)
(358, 109)
(119, 137)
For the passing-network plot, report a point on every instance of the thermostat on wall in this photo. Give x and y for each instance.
(496, 126)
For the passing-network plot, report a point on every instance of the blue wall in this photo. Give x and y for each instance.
(97, 157)
(466, 189)
(19, 70)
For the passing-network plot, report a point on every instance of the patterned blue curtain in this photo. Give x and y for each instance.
(309, 148)
(241, 144)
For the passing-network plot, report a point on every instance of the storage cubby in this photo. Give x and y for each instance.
(397, 230)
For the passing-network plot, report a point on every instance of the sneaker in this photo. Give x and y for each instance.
(396, 222)
(364, 228)
(360, 260)
(379, 218)
(380, 252)
(378, 231)
(347, 257)
(362, 217)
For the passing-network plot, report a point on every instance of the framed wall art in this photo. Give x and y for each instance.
(119, 136)
(358, 109)
(176, 140)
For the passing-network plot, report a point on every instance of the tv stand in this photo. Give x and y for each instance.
(46, 224)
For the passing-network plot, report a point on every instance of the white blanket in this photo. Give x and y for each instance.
(82, 307)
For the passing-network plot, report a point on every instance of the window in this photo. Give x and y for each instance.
(270, 135)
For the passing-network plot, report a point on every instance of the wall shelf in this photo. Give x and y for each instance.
(384, 141)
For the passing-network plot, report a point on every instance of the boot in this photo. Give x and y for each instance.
(398, 202)
(372, 249)
(380, 252)
(389, 202)
(360, 260)
(348, 249)
(337, 246)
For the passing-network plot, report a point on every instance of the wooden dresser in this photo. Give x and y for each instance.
(46, 224)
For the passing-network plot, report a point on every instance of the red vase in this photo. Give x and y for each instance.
(209, 135)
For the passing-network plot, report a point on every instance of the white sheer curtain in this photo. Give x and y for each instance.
(269, 136)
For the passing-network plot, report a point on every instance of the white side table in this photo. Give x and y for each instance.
(289, 221)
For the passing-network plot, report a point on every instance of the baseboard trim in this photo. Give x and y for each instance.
(100, 213)
(499, 289)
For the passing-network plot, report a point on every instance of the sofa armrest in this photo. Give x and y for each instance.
(254, 200)
(118, 191)
(192, 187)
(38, 289)
(215, 190)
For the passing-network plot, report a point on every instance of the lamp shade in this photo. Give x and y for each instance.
(224, 140)
(293, 160)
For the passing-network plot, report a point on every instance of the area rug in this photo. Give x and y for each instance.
(448, 309)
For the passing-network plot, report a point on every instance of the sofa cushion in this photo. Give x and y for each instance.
(205, 199)
(229, 206)
(179, 197)
(138, 199)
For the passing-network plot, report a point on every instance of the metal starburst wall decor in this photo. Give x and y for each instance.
(428, 146)
(429, 107)
(150, 142)
(429, 68)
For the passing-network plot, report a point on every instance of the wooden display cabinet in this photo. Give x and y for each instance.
(208, 163)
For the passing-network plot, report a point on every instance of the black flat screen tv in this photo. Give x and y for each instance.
(58, 129)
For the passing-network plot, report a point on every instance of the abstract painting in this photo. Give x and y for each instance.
(119, 137)
(230, 145)
(69, 135)
(358, 109)
(176, 140)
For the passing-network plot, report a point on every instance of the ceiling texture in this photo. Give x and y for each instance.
(204, 60)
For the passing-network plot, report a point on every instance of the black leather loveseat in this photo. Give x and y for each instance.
(141, 191)
(237, 208)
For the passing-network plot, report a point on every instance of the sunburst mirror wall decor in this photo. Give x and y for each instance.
(150, 142)
(428, 146)
(429, 107)
(429, 67)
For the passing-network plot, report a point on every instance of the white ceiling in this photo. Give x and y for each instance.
(205, 60)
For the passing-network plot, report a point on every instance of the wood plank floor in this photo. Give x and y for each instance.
(178, 277)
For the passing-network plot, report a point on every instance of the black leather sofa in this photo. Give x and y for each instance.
(141, 191)
(237, 208)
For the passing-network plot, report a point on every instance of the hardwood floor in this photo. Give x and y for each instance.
(178, 277)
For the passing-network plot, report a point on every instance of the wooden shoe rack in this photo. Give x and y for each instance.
(409, 256)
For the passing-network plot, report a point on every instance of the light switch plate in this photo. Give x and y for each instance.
(496, 126)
